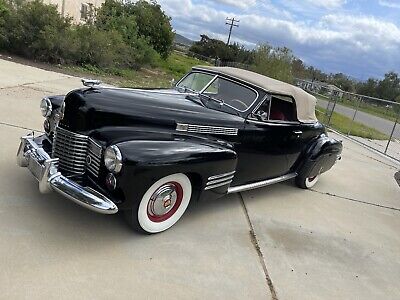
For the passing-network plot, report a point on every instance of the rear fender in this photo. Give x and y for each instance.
(320, 156)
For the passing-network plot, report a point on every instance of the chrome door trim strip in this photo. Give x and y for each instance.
(259, 184)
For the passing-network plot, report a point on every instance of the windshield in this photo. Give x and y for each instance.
(232, 94)
(195, 82)
(218, 93)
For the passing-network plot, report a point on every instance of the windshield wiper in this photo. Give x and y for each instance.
(185, 89)
(220, 102)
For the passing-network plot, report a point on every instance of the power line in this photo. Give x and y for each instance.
(232, 23)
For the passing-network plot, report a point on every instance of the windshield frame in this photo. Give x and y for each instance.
(215, 77)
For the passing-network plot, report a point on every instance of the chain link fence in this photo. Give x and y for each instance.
(371, 121)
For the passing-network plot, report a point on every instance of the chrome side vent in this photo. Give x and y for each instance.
(219, 180)
(203, 129)
(71, 149)
(94, 156)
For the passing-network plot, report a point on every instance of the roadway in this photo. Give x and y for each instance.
(380, 124)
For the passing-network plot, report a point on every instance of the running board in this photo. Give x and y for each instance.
(259, 184)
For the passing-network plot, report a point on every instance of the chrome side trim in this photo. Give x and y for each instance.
(221, 175)
(219, 180)
(45, 170)
(217, 185)
(204, 129)
(259, 184)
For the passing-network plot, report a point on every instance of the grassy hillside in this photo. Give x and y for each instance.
(159, 75)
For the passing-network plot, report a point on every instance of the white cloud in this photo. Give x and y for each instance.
(360, 46)
(390, 4)
(238, 3)
(327, 4)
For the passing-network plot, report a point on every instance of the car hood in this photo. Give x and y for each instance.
(94, 108)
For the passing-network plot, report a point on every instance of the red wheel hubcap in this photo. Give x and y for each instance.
(164, 202)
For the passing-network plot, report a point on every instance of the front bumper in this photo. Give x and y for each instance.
(45, 169)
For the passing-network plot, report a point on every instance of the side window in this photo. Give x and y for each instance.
(277, 108)
(282, 109)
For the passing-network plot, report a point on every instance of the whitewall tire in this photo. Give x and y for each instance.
(311, 181)
(306, 182)
(164, 203)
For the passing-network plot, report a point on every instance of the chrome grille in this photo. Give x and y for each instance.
(94, 157)
(71, 149)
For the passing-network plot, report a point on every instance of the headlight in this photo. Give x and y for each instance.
(46, 107)
(113, 159)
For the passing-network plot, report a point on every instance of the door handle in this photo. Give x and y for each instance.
(298, 132)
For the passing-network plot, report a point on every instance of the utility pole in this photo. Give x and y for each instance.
(232, 23)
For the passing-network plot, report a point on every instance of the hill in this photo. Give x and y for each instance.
(180, 39)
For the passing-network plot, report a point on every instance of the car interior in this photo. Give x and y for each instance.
(278, 108)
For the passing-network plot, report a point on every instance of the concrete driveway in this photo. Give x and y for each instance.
(339, 241)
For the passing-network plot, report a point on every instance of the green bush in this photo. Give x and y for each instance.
(4, 15)
(37, 31)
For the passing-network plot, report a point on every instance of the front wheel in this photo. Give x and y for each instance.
(306, 182)
(162, 205)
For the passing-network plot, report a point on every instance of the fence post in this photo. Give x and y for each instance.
(333, 109)
(354, 117)
(393, 130)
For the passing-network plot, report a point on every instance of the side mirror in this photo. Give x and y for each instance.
(172, 82)
(261, 115)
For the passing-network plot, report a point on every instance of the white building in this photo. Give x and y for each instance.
(79, 10)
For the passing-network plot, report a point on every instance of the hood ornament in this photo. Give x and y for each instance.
(90, 82)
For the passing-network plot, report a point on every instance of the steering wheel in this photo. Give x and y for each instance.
(244, 105)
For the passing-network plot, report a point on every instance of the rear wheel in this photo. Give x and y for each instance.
(306, 182)
(162, 205)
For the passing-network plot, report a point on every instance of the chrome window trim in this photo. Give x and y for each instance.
(250, 119)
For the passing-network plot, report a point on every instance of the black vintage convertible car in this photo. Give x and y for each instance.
(149, 152)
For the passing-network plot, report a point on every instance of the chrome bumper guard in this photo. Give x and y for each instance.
(45, 170)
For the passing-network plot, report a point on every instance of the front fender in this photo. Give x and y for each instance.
(146, 161)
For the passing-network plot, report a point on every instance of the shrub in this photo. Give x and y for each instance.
(4, 15)
(35, 30)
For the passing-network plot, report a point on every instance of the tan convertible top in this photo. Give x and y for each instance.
(305, 103)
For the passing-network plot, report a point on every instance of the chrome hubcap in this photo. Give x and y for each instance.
(162, 200)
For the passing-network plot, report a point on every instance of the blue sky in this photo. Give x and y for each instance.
(359, 38)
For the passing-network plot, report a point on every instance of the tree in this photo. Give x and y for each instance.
(368, 88)
(389, 87)
(154, 25)
(342, 81)
(214, 48)
(274, 62)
